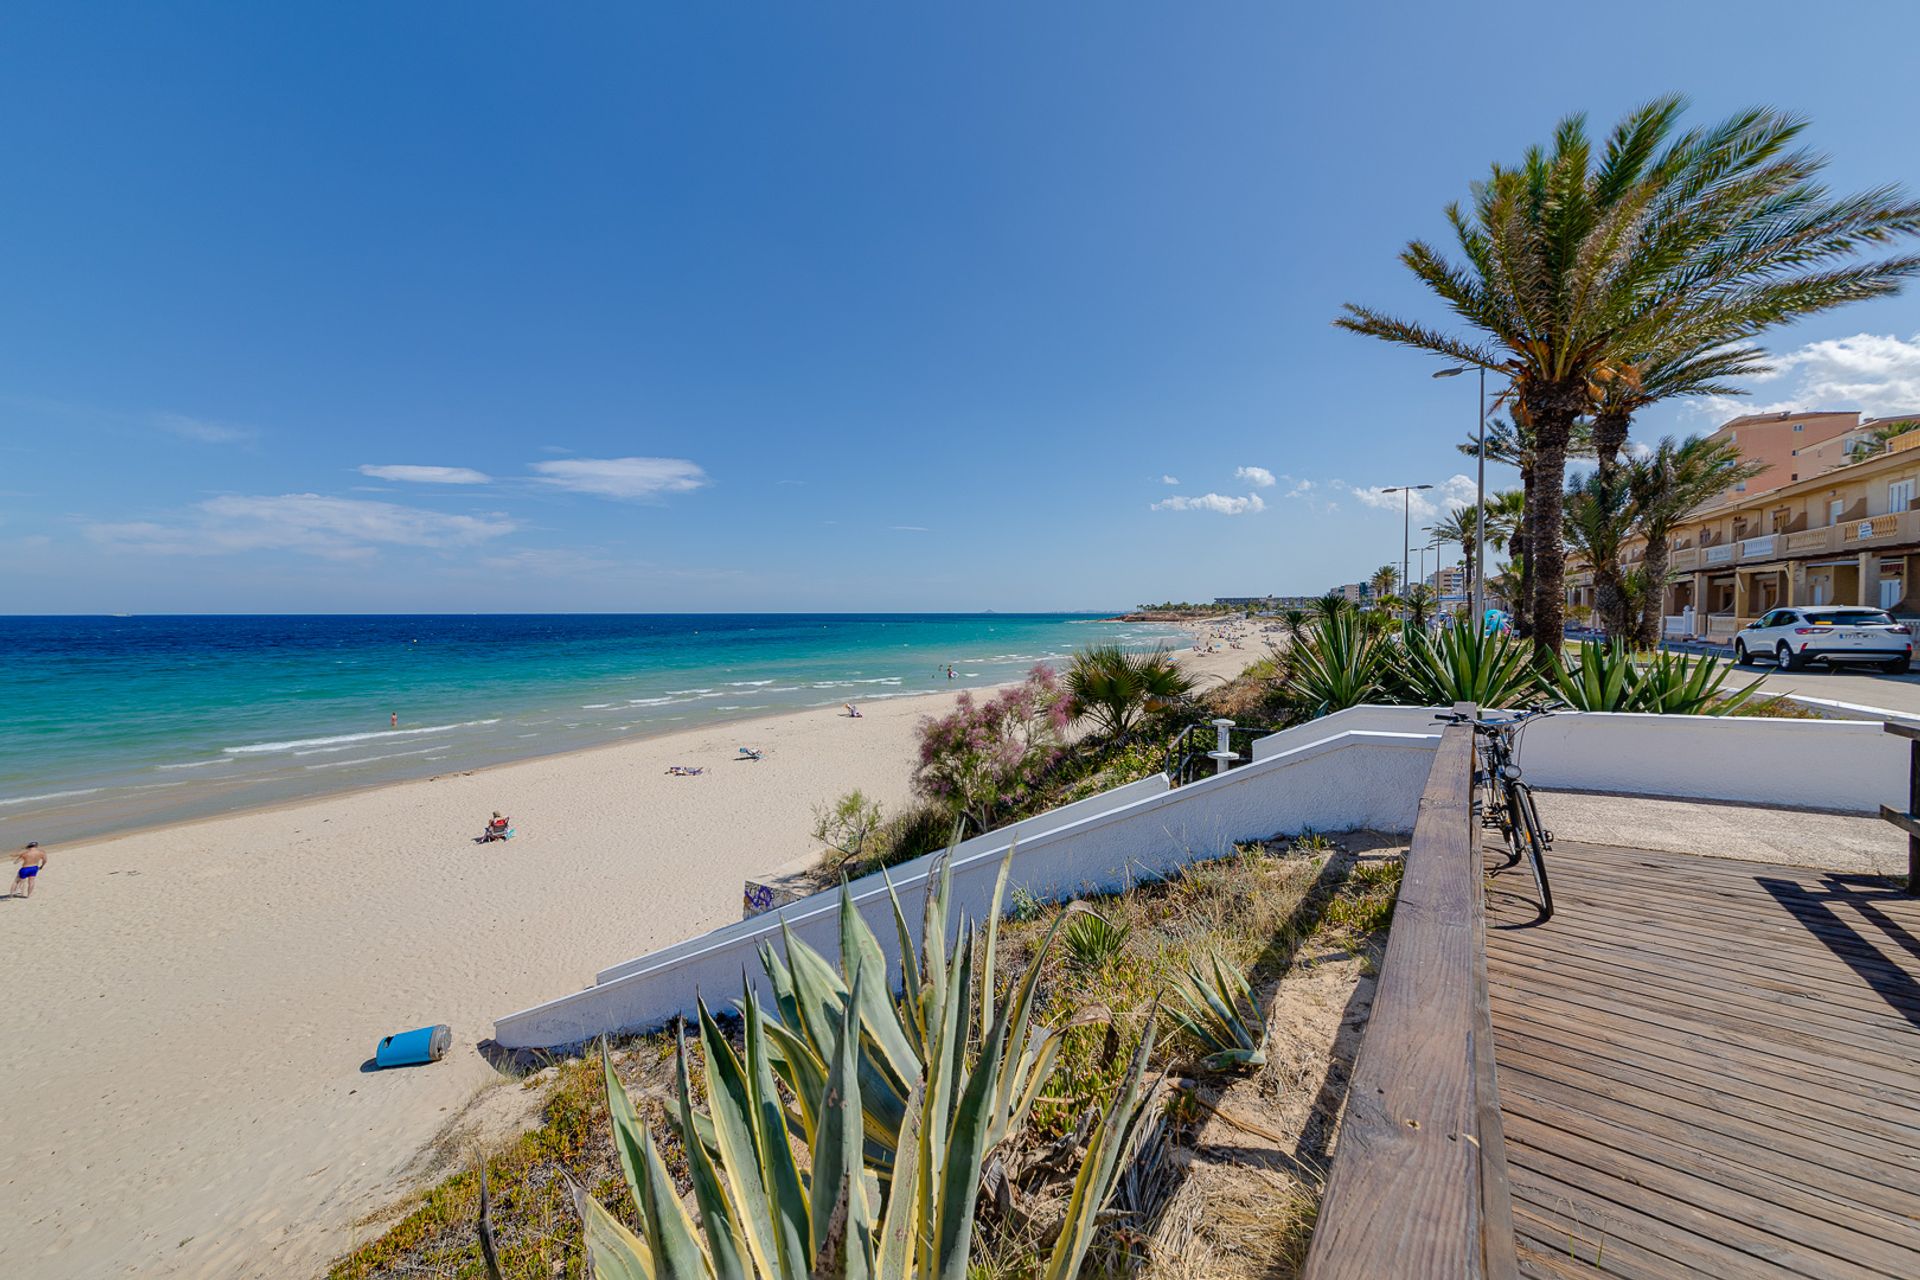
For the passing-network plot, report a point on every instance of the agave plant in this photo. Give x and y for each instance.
(1465, 664)
(1610, 678)
(767, 1212)
(1221, 1014)
(1341, 665)
(1603, 678)
(1678, 684)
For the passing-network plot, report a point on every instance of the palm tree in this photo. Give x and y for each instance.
(1332, 605)
(1418, 602)
(1383, 581)
(1293, 623)
(1578, 275)
(1877, 441)
(1599, 518)
(1667, 485)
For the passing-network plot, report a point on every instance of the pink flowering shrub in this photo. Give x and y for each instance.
(989, 753)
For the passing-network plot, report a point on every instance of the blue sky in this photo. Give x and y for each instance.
(789, 307)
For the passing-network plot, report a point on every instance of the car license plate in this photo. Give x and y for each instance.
(1854, 635)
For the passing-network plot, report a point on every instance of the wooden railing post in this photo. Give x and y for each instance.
(1419, 1186)
(1909, 821)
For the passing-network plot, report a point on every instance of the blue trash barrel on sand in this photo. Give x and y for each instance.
(411, 1048)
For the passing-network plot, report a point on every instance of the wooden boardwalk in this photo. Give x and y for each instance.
(1708, 1068)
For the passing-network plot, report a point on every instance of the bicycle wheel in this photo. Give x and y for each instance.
(1526, 820)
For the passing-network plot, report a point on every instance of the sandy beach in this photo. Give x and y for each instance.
(190, 1008)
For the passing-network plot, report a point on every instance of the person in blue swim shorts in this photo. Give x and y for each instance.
(31, 859)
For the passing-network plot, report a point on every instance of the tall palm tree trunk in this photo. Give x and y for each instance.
(1610, 439)
(1523, 607)
(1558, 406)
(1654, 607)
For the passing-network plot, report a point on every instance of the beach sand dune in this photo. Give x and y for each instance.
(189, 1010)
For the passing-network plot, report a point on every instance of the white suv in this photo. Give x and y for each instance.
(1809, 633)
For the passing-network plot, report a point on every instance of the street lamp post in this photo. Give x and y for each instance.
(1406, 524)
(1477, 596)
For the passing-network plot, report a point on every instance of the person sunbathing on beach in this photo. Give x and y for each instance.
(683, 771)
(751, 753)
(498, 829)
(853, 712)
(31, 859)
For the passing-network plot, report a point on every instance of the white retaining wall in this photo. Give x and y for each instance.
(1353, 779)
(1024, 831)
(1364, 767)
(1853, 766)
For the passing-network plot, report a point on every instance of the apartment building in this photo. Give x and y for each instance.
(1847, 535)
(1791, 446)
(1449, 582)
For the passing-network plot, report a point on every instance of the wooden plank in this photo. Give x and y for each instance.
(1742, 1223)
(1413, 1193)
(1905, 821)
(1754, 1115)
(1872, 1034)
(1893, 1114)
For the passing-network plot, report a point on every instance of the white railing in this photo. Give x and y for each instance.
(1719, 554)
(1760, 546)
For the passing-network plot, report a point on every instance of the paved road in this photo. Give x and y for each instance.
(1867, 688)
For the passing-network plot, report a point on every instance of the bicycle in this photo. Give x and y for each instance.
(1504, 800)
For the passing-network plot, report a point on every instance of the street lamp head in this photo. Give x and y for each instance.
(1454, 373)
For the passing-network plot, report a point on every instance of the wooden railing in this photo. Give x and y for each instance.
(1419, 1187)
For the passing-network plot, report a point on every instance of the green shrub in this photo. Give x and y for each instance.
(1092, 940)
(1465, 664)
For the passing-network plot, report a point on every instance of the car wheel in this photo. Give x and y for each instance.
(1740, 654)
(1787, 658)
(1897, 666)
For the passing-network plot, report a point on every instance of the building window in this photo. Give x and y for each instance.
(1900, 495)
(1741, 487)
(1798, 427)
(1796, 476)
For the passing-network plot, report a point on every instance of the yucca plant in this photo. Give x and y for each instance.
(1221, 1015)
(1465, 664)
(766, 1212)
(1091, 939)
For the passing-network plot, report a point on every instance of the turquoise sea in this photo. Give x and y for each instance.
(111, 724)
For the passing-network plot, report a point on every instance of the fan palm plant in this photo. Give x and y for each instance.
(1577, 272)
(1668, 484)
(1115, 688)
(1329, 606)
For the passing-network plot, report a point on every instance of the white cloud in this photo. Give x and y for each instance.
(1878, 374)
(548, 562)
(426, 475)
(1217, 502)
(308, 523)
(623, 477)
(1425, 504)
(1169, 479)
(910, 528)
(203, 430)
(1259, 477)
(1300, 489)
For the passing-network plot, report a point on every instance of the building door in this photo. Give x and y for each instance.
(1834, 509)
(1900, 495)
(1890, 592)
(1819, 588)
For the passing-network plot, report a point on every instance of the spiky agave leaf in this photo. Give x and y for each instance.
(1221, 1015)
(1094, 1184)
(613, 1252)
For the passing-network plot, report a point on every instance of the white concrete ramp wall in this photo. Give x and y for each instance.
(1359, 768)
(1350, 780)
(1023, 831)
